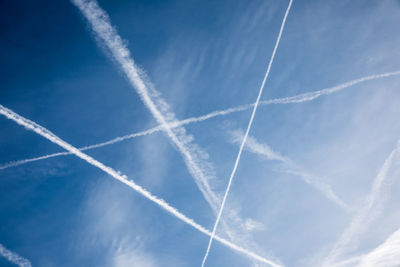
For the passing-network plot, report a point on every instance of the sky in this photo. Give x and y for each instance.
(317, 183)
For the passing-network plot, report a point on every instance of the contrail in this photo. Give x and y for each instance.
(247, 132)
(30, 125)
(112, 141)
(286, 100)
(363, 217)
(289, 166)
(192, 154)
(313, 95)
(14, 257)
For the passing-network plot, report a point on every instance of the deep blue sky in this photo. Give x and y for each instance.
(202, 56)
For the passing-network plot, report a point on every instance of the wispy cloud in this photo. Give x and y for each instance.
(368, 212)
(128, 254)
(385, 255)
(289, 166)
(14, 257)
(30, 125)
(247, 131)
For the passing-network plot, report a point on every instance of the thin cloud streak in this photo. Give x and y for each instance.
(313, 95)
(289, 167)
(247, 131)
(286, 100)
(363, 218)
(349, 261)
(30, 125)
(14, 257)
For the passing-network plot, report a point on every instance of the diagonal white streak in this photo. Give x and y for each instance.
(363, 218)
(30, 125)
(160, 110)
(286, 100)
(14, 257)
(247, 132)
(289, 166)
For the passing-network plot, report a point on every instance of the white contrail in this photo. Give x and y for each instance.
(289, 166)
(112, 141)
(30, 125)
(193, 156)
(286, 100)
(247, 132)
(365, 216)
(14, 257)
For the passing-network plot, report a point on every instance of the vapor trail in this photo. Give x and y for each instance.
(289, 166)
(110, 142)
(14, 257)
(366, 215)
(247, 132)
(192, 154)
(30, 125)
(286, 100)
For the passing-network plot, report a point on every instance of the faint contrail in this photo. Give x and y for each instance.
(365, 216)
(14, 257)
(193, 156)
(112, 141)
(289, 166)
(30, 125)
(247, 132)
(286, 100)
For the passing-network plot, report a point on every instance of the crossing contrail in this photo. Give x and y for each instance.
(285, 100)
(195, 158)
(110, 142)
(14, 257)
(289, 167)
(193, 155)
(30, 125)
(247, 133)
(366, 215)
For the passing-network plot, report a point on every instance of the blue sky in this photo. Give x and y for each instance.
(203, 56)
